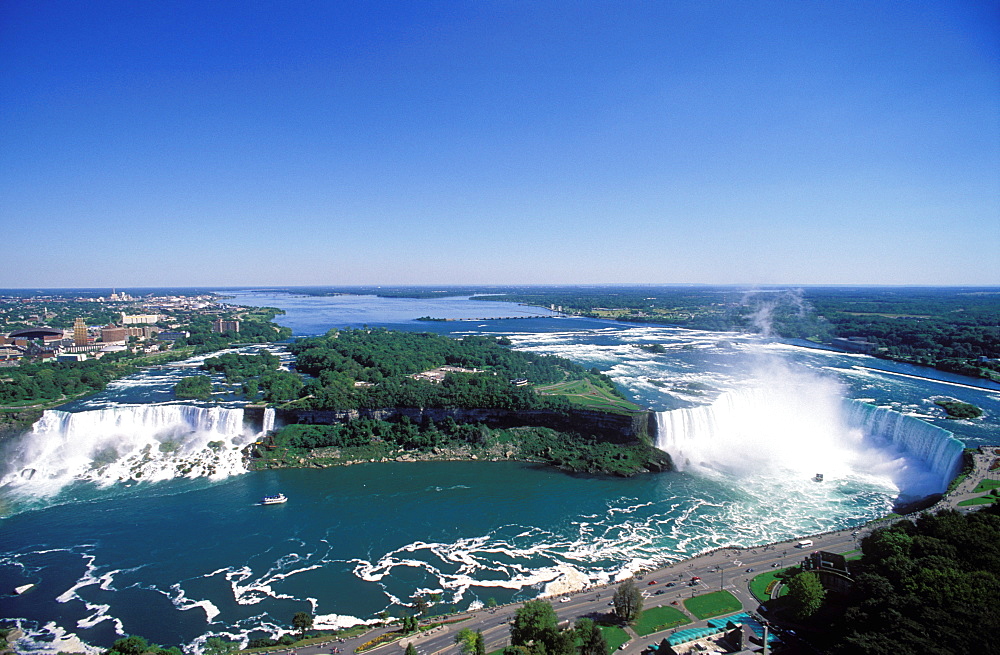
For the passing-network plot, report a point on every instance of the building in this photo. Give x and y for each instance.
(142, 332)
(139, 319)
(221, 326)
(113, 334)
(79, 332)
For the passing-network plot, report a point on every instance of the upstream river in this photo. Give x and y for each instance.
(183, 558)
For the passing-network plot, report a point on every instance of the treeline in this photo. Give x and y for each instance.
(364, 368)
(925, 587)
(257, 375)
(38, 382)
(372, 439)
(251, 331)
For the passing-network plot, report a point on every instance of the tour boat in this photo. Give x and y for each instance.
(818, 478)
(276, 499)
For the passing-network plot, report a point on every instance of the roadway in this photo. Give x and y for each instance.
(725, 568)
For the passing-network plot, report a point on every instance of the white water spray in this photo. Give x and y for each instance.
(137, 442)
(795, 425)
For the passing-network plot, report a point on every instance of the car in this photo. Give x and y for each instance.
(659, 591)
(622, 647)
(651, 582)
(564, 599)
(669, 584)
(695, 579)
(750, 570)
(610, 604)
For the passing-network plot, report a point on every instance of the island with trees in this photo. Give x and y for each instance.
(376, 395)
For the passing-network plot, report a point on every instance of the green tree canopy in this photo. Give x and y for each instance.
(627, 601)
(534, 622)
(302, 621)
(806, 594)
(592, 641)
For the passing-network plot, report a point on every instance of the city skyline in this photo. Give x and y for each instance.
(496, 143)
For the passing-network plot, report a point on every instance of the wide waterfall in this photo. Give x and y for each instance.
(936, 447)
(795, 432)
(132, 442)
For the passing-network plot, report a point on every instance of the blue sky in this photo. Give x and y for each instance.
(494, 142)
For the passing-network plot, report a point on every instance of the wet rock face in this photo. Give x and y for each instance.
(612, 428)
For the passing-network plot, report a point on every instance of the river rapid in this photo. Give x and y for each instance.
(192, 555)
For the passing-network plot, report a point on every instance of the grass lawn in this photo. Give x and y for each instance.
(584, 392)
(659, 618)
(987, 485)
(760, 584)
(982, 500)
(614, 635)
(716, 603)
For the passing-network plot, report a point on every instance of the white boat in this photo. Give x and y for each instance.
(276, 499)
(23, 588)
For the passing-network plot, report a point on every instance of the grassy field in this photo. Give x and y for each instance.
(760, 584)
(614, 635)
(659, 618)
(987, 485)
(716, 603)
(982, 500)
(588, 394)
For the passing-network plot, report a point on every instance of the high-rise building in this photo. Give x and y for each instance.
(79, 332)
(221, 326)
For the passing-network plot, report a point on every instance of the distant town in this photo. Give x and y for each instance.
(41, 328)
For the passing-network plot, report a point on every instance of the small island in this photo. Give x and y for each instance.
(958, 410)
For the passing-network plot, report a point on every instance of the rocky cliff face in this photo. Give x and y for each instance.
(612, 428)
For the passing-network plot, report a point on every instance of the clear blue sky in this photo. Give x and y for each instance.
(337, 142)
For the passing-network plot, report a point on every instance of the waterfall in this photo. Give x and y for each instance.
(131, 442)
(267, 424)
(936, 447)
(800, 431)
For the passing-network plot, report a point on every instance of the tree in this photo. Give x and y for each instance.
(420, 604)
(533, 623)
(806, 594)
(197, 387)
(133, 645)
(627, 601)
(303, 621)
(411, 649)
(591, 638)
(480, 643)
(466, 640)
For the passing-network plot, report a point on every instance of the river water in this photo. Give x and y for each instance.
(182, 559)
